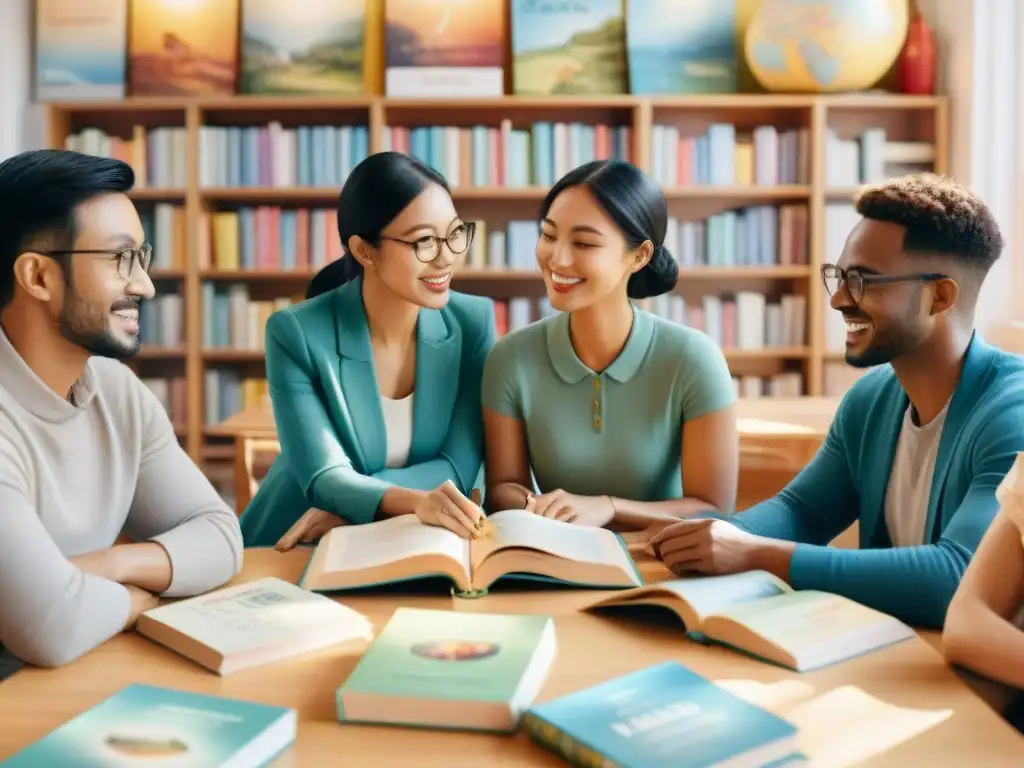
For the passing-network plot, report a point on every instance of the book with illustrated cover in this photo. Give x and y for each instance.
(450, 669)
(444, 48)
(312, 47)
(760, 614)
(686, 47)
(252, 624)
(562, 48)
(80, 49)
(664, 716)
(147, 725)
(520, 545)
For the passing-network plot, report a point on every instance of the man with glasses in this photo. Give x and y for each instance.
(86, 450)
(918, 445)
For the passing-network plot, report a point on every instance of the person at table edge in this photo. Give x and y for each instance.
(918, 446)
(87, 451)
(624, 418)
(375, 378)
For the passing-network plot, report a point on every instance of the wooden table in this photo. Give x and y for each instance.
(591, 649)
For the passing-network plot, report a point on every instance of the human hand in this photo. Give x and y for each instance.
(596, 511)
(445, 506)
(141, 601)
(705, 546)
(308, 528)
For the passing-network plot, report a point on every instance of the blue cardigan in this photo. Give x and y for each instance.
(848, 478)
(328, 413)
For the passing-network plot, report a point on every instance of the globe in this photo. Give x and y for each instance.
(820, 46)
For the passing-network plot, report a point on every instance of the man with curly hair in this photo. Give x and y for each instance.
(918, 446)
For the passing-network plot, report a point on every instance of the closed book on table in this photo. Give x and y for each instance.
(663, 716)
(453, 670)
(252, 624)
(146, 725)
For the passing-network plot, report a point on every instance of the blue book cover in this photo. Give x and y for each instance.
(678, 47)
(143, 724)
(663, 716)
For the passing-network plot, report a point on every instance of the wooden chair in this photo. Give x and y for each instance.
(253, 457)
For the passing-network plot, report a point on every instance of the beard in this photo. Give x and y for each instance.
(900, 337)
(87, 325)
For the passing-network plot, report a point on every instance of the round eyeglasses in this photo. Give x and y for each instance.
(126, 258)
(427, 248)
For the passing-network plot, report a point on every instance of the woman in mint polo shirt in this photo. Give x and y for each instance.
(375, 378)
(619, 415)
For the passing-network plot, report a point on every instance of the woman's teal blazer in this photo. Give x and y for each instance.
(328, 413)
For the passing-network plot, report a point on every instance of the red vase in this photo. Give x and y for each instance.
(915, 68)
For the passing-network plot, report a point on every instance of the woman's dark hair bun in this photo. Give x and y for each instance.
(378, 189)
(634, 201)
(658, 276)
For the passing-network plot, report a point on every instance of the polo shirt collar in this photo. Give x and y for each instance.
(622, 369)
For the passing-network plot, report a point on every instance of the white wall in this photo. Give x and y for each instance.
(15, 66)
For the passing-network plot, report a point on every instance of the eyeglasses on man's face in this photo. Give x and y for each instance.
(125, 258)
(428, 247)
(856, 282)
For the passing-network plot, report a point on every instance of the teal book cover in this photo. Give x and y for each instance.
(147, 725)
(664, 716)
(444, 659)
(676, 47)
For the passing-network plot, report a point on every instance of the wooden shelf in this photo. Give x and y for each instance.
(913, 116)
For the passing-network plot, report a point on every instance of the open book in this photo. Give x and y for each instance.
(519, 544)
(760, 614)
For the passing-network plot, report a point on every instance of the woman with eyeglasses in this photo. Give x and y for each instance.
(375, 378)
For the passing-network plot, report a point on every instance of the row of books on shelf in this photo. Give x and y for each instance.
(165, 228)
(870, 158)
(725, 156)
(274, 156)
(157, 154)
(276, 238)
(485, 156)
(162, 321)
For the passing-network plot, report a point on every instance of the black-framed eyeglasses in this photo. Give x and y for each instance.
(427, 248)
(855, 281)
(126, 258)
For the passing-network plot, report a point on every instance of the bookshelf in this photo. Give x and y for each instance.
(188, 182)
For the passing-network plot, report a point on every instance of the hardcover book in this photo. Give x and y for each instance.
(452, 670)
(312, 47)
(681, 47)
(519, 545)
(664, 716)
(147, 725)
(235, 628)
(183, 48)
(80, 49)
(561, 48)
(444, 48)
(760, 614)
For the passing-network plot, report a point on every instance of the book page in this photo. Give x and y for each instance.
(359, 547)
(809, 623)
(710, 594)
(579, 543)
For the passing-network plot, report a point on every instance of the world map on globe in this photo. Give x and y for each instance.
(823, 36)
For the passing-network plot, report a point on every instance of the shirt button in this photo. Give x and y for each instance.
(597, 422)
(597, 383)
(597, 405)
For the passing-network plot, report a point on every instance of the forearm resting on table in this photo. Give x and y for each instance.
(982, 641)
(145, 565)
(643, 514)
